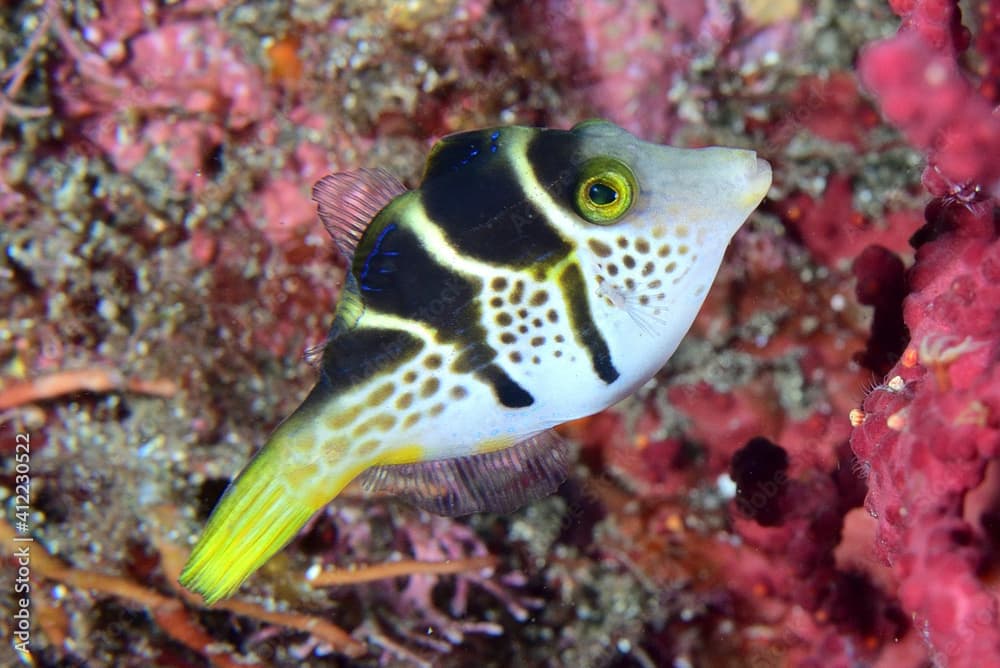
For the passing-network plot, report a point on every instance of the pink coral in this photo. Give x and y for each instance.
(834, 231)
(626, 45)
(186, 67)
(928, 438)
(923, 89)
(845, 117)
(628, 56)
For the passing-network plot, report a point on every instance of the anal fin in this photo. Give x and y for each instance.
(500, 481)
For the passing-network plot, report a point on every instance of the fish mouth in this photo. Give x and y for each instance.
(758, 180)
(762, 168)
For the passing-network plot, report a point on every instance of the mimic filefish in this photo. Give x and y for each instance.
(535, 276)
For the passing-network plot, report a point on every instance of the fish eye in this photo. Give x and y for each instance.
(602, 194)
(605, 190)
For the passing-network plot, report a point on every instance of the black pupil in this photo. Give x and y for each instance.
(602, 194)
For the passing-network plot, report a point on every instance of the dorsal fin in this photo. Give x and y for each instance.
(500, 481)
(348, 201)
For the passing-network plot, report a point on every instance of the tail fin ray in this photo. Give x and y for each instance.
(257, 516)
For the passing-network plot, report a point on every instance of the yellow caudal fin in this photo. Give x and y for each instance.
(260, 512)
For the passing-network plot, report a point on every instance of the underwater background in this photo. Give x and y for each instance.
(812, 480)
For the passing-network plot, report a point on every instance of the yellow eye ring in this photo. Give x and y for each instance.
(605, 190)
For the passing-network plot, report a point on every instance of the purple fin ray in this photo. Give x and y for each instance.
(500, 481)
(347, 202)
(313, 355)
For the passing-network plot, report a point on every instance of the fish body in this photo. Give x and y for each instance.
(535, 276)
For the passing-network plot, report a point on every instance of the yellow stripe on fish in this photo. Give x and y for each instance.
(535, 276)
